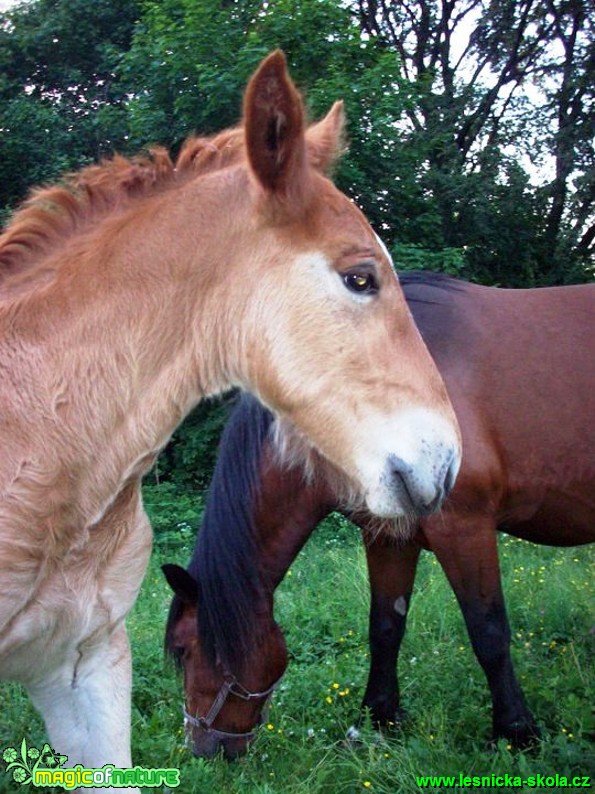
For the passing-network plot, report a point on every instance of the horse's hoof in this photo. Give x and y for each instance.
(392, 724)
(521, 735)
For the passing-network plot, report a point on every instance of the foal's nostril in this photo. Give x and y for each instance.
(418, 496)
(435, 504)
(451, 475)
(401, 473)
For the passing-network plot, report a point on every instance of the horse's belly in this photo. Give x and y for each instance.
(562, 518)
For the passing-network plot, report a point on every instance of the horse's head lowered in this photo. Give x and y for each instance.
(221, 629)
(222, 710)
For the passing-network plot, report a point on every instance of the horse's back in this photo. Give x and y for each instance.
(518, 365)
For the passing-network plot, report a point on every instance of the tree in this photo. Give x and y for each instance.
(447, 102)
(452, 107)
(60, 104)
(494, 76)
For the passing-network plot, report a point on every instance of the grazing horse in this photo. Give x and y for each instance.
(127, 294)
(518, 365)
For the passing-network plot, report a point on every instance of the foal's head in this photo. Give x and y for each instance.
(324, 337)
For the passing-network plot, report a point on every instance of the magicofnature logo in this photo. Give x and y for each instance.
(45, 768)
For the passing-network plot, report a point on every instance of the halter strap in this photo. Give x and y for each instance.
(232, 686)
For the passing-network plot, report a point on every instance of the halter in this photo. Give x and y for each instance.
(230, 686)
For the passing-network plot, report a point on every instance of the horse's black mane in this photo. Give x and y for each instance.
(225, 563)
(225, 559)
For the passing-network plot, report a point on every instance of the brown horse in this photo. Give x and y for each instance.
(519, 368)
(127, 294)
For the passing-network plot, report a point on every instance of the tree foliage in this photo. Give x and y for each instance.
(470, 121)
(61, 104)
(506, 86)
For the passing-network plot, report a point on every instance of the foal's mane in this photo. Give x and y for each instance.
(51, 215)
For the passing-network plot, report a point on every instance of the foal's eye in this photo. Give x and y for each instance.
(362, 283)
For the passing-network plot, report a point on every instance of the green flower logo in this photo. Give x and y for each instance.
(19, 774)
(24, 763)
(9, 755)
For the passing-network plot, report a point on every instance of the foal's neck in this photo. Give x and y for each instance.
(121, 345)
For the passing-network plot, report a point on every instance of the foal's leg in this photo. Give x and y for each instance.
(467, 550)
(85, 696)
(86, 706)
(392, 572)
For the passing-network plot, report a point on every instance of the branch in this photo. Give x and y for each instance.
(493, 136)
(396, 40)
(586, 241)
(512, 71)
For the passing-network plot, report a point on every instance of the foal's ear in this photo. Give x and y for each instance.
(325, 139)
(181, 582)
(274, 124)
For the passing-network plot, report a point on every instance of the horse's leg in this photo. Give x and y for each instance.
(86, 706)
(391, 569)
(466, 547)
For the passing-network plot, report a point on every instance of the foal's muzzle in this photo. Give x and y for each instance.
(410, 463)
(423, 498)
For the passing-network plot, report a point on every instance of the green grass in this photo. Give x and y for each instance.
(323, 608)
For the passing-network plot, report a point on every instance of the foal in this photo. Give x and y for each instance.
(519, 368)
(130, 292)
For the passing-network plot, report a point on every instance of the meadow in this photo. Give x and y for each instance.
(322, 607)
